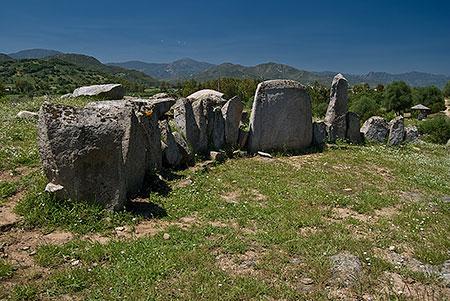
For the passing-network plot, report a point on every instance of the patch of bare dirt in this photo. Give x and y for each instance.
(8, 218)
(183, 183)
(344, 213)
(408, 288)
(258, 196)
(239, 264)
(16, 173)
(300, 161)
(231, 197)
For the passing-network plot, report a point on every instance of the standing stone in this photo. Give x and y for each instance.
(411, 134)
(183, 147)
(232, 113)
(281, 117)
(375, 129)
(201, 146)
(337, 107)
(171, 154)
(338, 128)
(319, 133)
(106, 92)
(396, 131)
(186, 124)
(95, 154)
(218, 129)
(205, 93)
(158, 106)
(353, 134)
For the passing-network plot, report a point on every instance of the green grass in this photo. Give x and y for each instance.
(259, 227)
(6, 269)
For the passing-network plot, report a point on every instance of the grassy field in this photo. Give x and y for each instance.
(248, 229)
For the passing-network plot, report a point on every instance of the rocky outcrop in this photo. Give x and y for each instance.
(101, 154)
(232, 113)
(396, 131)
(337, 108)
(281, 117)
(106, 92)
(375, 129)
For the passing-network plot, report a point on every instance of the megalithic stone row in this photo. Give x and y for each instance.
(335, 117)
(319, 133)
(281, 117)
(353, 133)
(186, 124)
(98, 154)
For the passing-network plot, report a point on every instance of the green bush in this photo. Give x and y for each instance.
(436, 130)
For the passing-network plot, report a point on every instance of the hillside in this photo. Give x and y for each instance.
(177, 70)
(91, 63)
(190, 69)
(55, 76)
(5, 58)
(33, 54)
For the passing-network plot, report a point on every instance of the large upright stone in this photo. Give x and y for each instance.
(319, 133)
(96, 154)
(337, 108)
(353, 133)
(205, 93)
(186, 124)
(375, 129)
(201, 147)
(217, 138)
(172, 155)
(106, 92)
(281, 117)
(232, 113)
(396, 131)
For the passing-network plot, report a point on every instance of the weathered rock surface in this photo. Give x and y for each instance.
(353, 133)
(338, 128)
(217, 156)
(183, 147)
(159, 106)
(232, 113)
(319, 133)
(337, 108)
(396, 131)
(411, 134)
(186, 124)
(27, 115)
(160, 96)
(205, 93)
(107, 92)
(346, 268)
(201, 147)
(217, 138)
(96, 154)
(281, 117)
(375, 129)
(171, 153)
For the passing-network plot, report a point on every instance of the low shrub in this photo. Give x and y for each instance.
(436, 129)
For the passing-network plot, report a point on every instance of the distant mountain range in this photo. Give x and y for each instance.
(187, 68)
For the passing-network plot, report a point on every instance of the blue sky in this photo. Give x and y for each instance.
(346, 36)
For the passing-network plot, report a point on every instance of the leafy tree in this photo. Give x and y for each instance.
(2, 89)
(320, 97)
(24, 86)
(437, 129)
(361, 88)
(397, 97)
(365, 106)
(446, 90)
(429, 96)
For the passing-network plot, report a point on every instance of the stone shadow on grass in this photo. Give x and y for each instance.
(147, 210)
